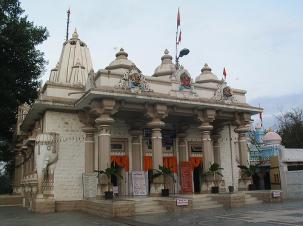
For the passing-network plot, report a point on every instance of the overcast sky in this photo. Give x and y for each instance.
(259, 42)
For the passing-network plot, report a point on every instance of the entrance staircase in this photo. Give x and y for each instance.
(249, 199)
(204, 201)
(148, 205)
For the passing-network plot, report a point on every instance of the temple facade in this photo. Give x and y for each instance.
(86, 120)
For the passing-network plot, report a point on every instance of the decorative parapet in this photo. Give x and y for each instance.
(134, 81)
(224, 93)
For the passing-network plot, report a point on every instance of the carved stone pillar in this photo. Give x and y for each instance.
(89, 131)
(156, 113)
(136, 150)
(104, 141)
(206, 117)
(243, 148)
(103, 109)
(89, 149)
(216, 147)
(242, 121)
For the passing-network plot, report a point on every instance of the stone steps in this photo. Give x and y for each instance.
(11, 200)
(148, 205)
(204, 202)
(249, 200)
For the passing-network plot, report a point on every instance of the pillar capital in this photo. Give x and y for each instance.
(104, 120)
(241, 119)
(103, 107)
(207, 115)
(206, 127)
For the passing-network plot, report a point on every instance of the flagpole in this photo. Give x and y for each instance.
(177, 61)
(178, 24)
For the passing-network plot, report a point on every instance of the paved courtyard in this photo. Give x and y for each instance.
(287, 213)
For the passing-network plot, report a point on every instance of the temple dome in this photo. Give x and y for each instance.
(272, 138)
(74, 64)
(121, 61)
(206, 75)
(167, 67)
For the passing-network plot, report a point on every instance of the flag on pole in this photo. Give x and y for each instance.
(178, 18)
(179, 39)
(224, 73)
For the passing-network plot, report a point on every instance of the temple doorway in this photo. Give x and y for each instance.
(197, 178)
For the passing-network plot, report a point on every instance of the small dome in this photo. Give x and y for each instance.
(121, 61)
(206, 75)
(272, 138)
(167, 67)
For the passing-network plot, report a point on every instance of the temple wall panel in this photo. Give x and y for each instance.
(70, 163)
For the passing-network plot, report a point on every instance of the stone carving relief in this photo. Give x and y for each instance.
(90, 83)
(185, 80)
(134, 81)
(46, 154)
(224, 93)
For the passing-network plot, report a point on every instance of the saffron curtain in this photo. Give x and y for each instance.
(171, 163)
(121, 161)
(148, 163)
(195, 161)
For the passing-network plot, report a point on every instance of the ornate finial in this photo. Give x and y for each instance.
(206, 68)
(121, 54)
(166, 51)
(75, 34)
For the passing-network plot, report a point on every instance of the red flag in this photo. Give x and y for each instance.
(224, 73)
(178, 18)
(179, 39)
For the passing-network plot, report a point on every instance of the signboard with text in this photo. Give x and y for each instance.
(139, 185)
(90, 182)
(186, 178)
(182, 202)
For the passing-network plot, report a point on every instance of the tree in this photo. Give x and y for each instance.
(290, 128)
(20, 68)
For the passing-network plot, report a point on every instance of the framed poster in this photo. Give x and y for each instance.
(138, 182)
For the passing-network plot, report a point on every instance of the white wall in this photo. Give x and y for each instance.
(229, 156)
(70, 164)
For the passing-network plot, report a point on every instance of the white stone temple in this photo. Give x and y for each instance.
(86, 120)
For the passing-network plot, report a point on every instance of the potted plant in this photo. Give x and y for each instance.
(109, 172)
(249, 171)
(163, 171)
(214, 171)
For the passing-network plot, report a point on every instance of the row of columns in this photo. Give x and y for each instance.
(100, 115)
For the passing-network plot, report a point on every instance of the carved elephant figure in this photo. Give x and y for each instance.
(46, 153)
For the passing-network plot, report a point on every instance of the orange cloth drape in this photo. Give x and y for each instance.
(148, 163)
(171, 163)
(195, 161)
(121, 161)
